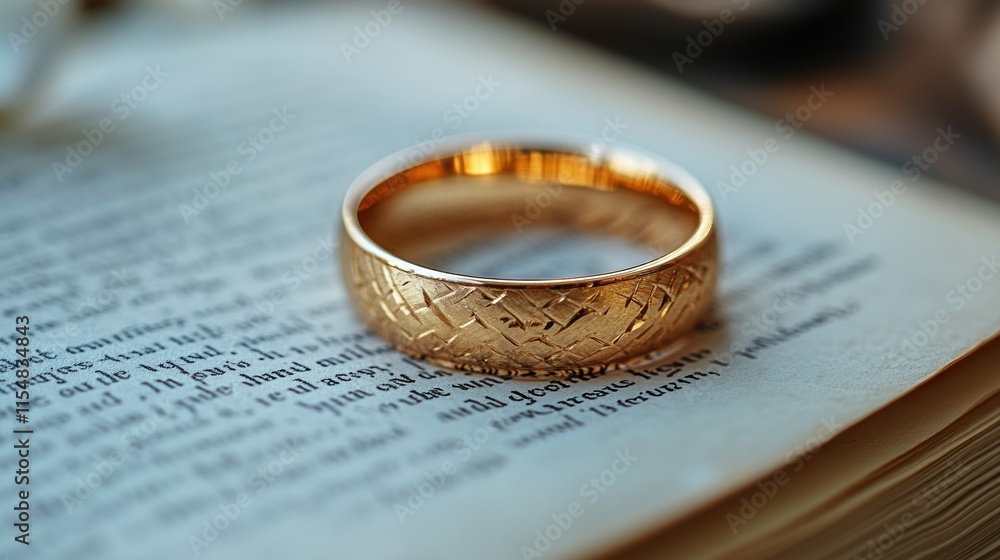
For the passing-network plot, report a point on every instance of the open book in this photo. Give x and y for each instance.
(199, 387)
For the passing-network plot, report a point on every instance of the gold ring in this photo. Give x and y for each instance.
(532, 327)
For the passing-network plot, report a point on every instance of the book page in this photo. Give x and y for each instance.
(199, 387)
(847, 468)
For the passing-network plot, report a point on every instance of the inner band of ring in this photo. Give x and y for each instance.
(534, 326)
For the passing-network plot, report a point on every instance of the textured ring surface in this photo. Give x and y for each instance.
(531, 327)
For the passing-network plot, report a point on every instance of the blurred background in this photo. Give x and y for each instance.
(898, 72)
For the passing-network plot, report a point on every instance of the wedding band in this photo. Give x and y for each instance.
(530, 327)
